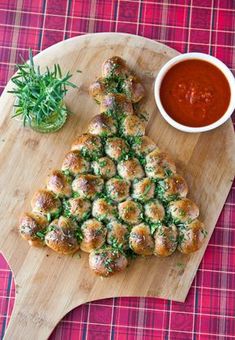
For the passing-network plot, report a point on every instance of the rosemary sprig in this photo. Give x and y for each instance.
(39, 95)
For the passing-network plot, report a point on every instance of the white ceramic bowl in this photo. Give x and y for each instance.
(201, 56)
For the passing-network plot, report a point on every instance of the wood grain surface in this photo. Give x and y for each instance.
(49, 285)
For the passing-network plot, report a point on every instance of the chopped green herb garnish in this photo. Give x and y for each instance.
(204, 232)
(79, 235)
(168, 172)
(154, 227)
(130, 254)
(147, 189)
(182, 212)
(42, 233)
(102, 163)
(107, 263)
(180, 265)
(76, 195)
(66, 172)
(181, 238)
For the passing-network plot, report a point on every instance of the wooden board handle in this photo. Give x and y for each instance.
(28, 321)
(43, 297)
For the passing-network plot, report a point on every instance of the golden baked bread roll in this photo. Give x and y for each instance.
(134, 89)
(130, 212)
(107, 261)
(88, 144)
(94, 235)
(59, 183)
(116, 104)
(31, 228)
(115, 66)
(133, 126)
(183, 211)
(173, 187)
(154, 211)
(116, 148)
(118, 189)
(166, 238)
(159, 165)
(78, 208)
(191, 237)
(118, 234)
(62, 236)
(103, 210)
(45, 202)
(102, 125)
(104, 167)
(130, 169)
(143, 189)
(97, 89)
(87, 186)
(74, 163)
(141, 241)
(143, 146)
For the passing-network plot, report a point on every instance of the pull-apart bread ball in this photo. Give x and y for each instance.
(94, 235)
(102, 125)
(191, 237)
(45, 202)
(154, 211)
(75, 163)
(115, 66)
(118, 234)
(62, 238)
(116, 147)
(116, 104)
(166, 238)
(130, 212)
(115, 69)
(59, 183)
(144, 146)
(88, 186)
(103, 210)
(97, 89)
(159, 164)
(104, 167)
(89, 145)
(143, 190)
(107, 261)
(30, 227)
(172, 187)
(141, 241)
(130, 169)
(133, 126)
(78, 208)
(118, 189)
(183, 211)
(134, 89)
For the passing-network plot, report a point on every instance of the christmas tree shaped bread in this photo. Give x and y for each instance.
(117, 195)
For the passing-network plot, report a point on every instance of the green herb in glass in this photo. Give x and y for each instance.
(39, 96)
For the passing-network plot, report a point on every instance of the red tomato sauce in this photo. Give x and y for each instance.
(195, 93)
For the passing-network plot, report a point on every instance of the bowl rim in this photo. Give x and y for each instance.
(200, 56)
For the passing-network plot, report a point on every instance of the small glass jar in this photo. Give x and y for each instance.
(51, 124)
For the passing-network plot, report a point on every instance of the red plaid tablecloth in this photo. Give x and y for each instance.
(186, 25)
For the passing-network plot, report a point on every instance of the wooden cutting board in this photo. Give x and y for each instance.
(49, 285)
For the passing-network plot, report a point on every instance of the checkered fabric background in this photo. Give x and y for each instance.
(186, 25)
